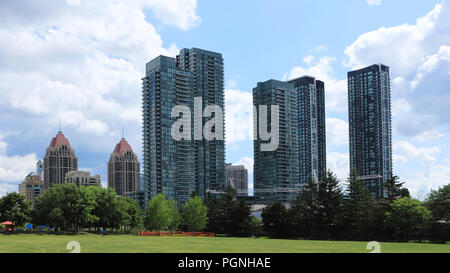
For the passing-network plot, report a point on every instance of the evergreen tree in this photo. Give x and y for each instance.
(393, 189)
(358, 207)
(216, 215)
(329, 199)
(275, 220)
(240, 218)
(304, 212)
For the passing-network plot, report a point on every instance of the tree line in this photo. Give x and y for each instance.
(324, 210)
(321, 210)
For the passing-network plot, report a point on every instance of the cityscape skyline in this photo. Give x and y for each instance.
(417, 148)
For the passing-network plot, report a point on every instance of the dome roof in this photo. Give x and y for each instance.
(122, 147)
(59, 140)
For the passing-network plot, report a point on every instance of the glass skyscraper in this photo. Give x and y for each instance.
(278, 168)
(369, 106)
(177, 168)
(311, 126)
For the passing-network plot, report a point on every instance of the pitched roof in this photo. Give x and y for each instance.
(122, 147)
(58, 140)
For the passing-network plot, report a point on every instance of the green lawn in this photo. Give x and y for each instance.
(44, 243)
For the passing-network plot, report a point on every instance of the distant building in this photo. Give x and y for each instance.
(80, 178)
(277, 168)
(31, 188)
(40, 169)
(59, 159)
(311, 126)
(237, 177)
(370, 129)
(123, 169)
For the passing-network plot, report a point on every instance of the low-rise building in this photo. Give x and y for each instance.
(81, 178)
(31, 188)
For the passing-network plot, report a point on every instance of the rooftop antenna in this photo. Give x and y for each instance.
(60, 125)
(123, 131)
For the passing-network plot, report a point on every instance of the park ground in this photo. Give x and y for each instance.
(93, 243)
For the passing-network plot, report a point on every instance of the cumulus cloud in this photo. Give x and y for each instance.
(428, 173)
(321, 69)
(339, 164)
(419, 58)
(337, 132)
(238, 115)
(81, 62)
(373, 2)
(428, 135)
(13, 168)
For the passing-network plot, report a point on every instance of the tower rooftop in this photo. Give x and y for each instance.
(58, 140)
(122, 147)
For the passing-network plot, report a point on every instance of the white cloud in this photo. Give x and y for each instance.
(321, 69)
(238, 115)
(308, 59)
(180, 13)
(427, 174)
(81, 62)
(13, 168)
(73, 2)
(406, 152)
(402, 47)
(428, 135)
(373, 2)
(337, 132)
(419, 57)
(339, 164)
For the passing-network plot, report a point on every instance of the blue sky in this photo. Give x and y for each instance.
(82, 61)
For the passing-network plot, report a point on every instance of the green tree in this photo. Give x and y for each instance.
(240, 219)
(304, 212)
(175, 215)
(438, 202)
(275, 220)
(329, 200)
(161, 214)
(255, 226)
(195, 214)
(106, 211)
(407, 217)
(14, 208)
(358, 209)
(131, 213)
(64, 207)
(216, 215)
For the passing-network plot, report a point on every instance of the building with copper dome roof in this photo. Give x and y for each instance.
(59, 159)
(123, 169)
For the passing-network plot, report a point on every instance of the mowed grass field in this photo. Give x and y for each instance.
(92, 243)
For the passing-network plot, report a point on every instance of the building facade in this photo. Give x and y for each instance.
(172, 167)
(207, 73)
(82, 179)
(168, 164)
(237, 177)
(123, 169)
(31, 188)
(369, 106)
(278, 168)
(311, 126)
(40, 169)
(59, 159)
